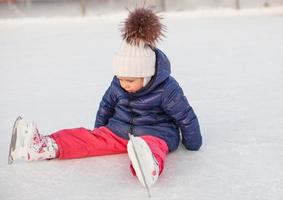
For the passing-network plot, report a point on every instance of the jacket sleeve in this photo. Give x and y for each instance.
(106, 108)
(176, 105)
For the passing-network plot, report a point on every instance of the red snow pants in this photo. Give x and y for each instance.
(81, 142)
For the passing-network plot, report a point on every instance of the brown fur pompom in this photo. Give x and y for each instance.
(142, 25)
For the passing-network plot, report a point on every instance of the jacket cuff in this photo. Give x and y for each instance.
(193, 146)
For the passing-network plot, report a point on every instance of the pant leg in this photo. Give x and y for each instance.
(81, 142)
(159, 149)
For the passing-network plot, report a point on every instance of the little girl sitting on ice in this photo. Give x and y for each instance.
(143, 101)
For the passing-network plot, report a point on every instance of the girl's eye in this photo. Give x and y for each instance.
(128, 81)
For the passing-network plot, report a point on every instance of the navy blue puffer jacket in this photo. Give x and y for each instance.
(160, 109)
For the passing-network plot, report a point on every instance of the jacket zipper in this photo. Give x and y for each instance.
(131, 129)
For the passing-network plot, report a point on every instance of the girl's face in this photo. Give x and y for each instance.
(131, 84)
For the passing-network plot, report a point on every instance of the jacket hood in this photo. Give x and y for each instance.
(162, 72)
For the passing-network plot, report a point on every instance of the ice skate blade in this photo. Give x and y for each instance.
(13, 140)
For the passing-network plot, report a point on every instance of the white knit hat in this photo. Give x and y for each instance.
(140, 32)
(134, 61)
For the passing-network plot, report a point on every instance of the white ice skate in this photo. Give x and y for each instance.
(22, 137)
(143, 161)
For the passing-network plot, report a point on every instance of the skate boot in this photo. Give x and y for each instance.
(27, 144)
(42, 148)
(143, 161)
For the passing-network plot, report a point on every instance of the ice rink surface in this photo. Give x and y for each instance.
(55, 71)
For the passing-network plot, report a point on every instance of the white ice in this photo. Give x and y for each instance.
(55, 71)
